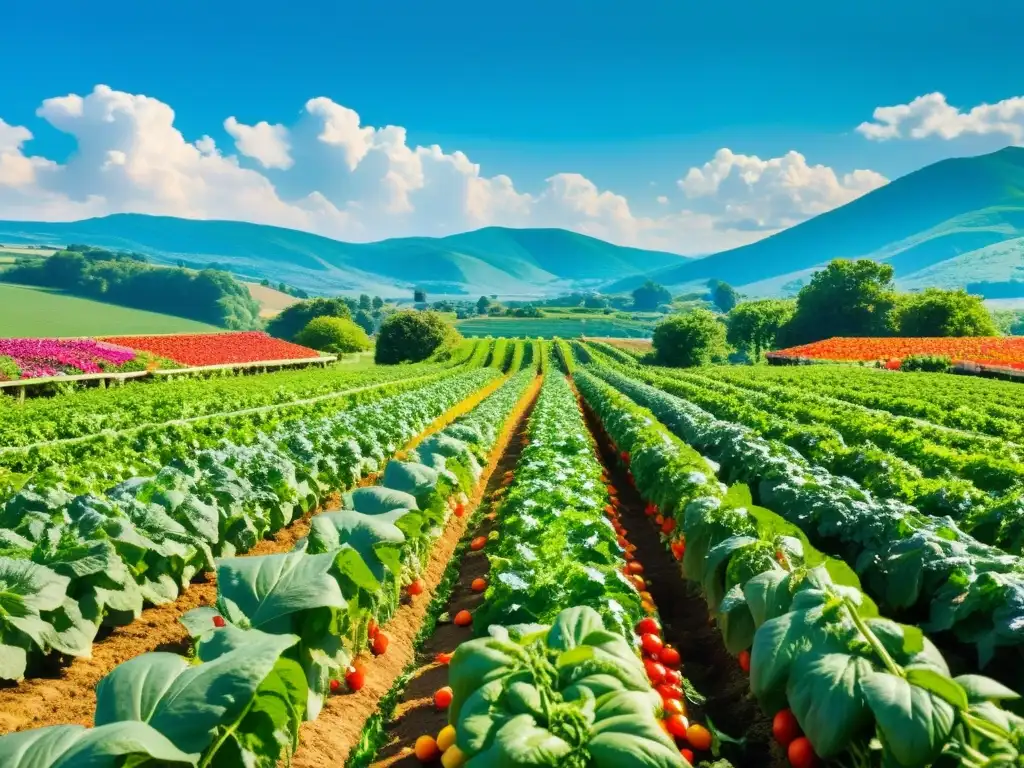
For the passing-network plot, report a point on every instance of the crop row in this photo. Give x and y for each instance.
(916, 567)
(88, 412)
(286, 627)
(556, 679)
(861, 687)
(994, 518)
(94, 463)
(960, 402)
(74, 563)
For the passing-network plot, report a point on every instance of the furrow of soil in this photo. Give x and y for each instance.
(709, 667)
(330, 739)
(65, 693)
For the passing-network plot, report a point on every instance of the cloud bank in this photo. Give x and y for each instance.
(329, 173)
(932, 116)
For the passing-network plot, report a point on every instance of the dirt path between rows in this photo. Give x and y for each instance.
(65, 693)
(709, 667)
(329, 740)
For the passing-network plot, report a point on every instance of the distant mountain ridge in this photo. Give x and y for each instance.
(955, 222)
(528, 262)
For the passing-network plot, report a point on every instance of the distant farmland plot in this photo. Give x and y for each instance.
(17, 250)
(38, 312)
(550, 327)
(272, 301)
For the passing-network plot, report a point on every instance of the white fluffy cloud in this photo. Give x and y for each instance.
(752, 193)
(932, 115)
(331, 174)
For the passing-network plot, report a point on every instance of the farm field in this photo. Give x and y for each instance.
(1004, 351)
(532, 553)
(38, 312)
(272, 301)
(549, 328)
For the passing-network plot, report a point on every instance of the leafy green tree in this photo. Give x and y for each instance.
(335, 335)
(409, 336)
(648, 296)
(482, 304)
(296, 317)
(419, 296)
(935, 312)
(846, 298)
(754, 325)
(723, 295)
(595, 301)
(696, 338)
(378, 302)
(365, 302)
(365, 321)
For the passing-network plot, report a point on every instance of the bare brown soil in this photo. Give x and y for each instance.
(329, 739)
(65, 693)
(709, 667)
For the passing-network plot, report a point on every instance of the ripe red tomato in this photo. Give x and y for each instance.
(463, 618)
(699, 737)
(672, 676)
(785, 728)
(478, 543)
(355, 678)
(673, 707)
(415, 588)
(380, 644)
(335, 686)
(668, 692)
(443, 697)
(638, 582)
(460, 510)
(655, 672)
(651, 643)
(687, 755)
(218, 621)
(801, 753)
(443, 658)
(677, 725)
(372, 628)
(744, 660)
(668, 526)
(635, 567)
(478, 585)
(670, 657)
(648, 626)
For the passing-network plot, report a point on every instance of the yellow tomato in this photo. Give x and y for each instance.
(446, 738)
(453, 757)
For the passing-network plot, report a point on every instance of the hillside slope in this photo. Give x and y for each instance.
(491, 260)
(935, 226)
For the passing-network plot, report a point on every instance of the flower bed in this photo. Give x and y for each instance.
(36, 358)
(1001, 351)
(199, 349)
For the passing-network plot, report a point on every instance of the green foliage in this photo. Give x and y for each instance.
(754, 325)
(209, 296)
(335, 335)
(723, 295)
(1010, 322)
(648, 296)
(9, 370)
(846, 298)
(482, 304)
(595, 301)
(696, 338)
(935, 312)
(296, 317)
(365, 321)
(413, 336)
(930, 363)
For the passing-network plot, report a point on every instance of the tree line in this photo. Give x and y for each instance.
(129, 280)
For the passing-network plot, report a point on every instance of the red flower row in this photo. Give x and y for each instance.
(1001, 351)
(216, 348)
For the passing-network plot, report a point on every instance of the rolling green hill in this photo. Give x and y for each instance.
(508, 262)
(41, 312)
(954, 222)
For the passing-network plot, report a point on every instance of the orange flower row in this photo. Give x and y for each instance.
(1002, 351)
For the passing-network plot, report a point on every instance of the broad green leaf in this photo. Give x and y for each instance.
(735, 621)
(825, 696)
(521, 743)
(913, 723)
(270, 588)
(768, 595)
(72, 746)
(188, 703)
(626, 732)
(980, 688)
(378, 499)
(940, 685)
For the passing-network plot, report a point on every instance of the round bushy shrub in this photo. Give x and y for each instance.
(410, 336)
(696, 338)
(334, 335)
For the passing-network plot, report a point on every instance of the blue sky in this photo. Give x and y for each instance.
(630, 96)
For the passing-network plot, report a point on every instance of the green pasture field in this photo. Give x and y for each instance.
(41, 312)
(547, 328)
